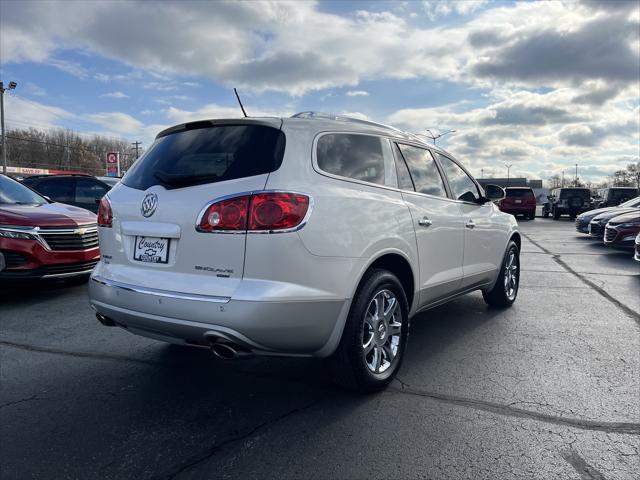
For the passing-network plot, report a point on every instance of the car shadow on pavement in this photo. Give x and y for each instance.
(31, 293)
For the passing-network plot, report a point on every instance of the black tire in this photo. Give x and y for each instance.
(532, 216)
(545, 212)
(498, 296)
(556, 213)
(572, 216)
(348, 364)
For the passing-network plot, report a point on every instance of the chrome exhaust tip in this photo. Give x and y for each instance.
(229, 351)
(106, 321)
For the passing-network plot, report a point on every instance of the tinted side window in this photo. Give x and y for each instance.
(424, 171)
(353, 156)
(462, 187)
(58, 189)
(404, 178)
(88, 191)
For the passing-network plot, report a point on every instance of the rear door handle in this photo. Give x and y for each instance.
(425, 222)
(471, 224)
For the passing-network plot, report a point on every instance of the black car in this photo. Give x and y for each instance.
(567, 201)
(614, 196)
(80, 190)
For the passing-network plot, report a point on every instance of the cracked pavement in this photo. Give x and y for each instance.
(549, 389)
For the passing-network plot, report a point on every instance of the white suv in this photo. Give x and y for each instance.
(305, 236)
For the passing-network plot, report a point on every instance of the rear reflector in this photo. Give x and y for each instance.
(264, 211)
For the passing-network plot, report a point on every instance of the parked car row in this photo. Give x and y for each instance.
(617, 226)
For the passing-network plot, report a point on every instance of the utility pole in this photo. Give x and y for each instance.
(482, 173)
(562, 184)
(508, 168)
(136, 145)
(576, 179)
(11, 86)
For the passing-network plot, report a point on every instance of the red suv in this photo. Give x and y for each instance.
(519, 201)
(40, 239)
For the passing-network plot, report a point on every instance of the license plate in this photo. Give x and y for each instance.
(151, 249)
(518, 201)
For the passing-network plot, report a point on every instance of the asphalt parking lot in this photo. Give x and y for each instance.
(549, 389)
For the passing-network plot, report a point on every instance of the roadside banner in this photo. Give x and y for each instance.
(113, 164)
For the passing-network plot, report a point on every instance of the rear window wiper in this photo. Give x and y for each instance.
(181, 179)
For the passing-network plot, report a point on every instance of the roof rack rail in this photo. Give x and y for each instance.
(344, 118)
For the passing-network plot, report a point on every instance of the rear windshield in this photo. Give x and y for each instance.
(575, 192)
(519, 192)
(208, 155)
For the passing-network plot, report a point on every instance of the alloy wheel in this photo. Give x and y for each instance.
(382, 330)
(511, 275)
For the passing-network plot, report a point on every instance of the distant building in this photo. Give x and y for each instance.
(504, 182)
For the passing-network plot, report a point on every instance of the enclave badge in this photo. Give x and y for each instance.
(149, 204)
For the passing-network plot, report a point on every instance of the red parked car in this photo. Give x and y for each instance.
(621, 231)
(40, 239)
(519, 201)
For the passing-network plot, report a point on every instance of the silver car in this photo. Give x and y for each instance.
(306, 236)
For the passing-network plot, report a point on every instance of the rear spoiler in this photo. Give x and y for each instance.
(264, 121)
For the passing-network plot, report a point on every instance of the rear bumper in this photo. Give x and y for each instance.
(518, 210)
(306, 327)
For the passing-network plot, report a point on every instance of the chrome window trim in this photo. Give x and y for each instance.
(246, 231)
(158, 292)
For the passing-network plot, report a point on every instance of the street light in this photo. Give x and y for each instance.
(435, 137)
(11, 86)
(508, 168)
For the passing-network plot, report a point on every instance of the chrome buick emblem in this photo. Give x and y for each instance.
(149, 204)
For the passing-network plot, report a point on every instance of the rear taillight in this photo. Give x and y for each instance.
(229, 214)
(105, 215)
(258, 212)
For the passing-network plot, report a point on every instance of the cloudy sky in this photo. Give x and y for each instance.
(540, 85)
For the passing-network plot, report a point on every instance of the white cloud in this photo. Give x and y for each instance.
(23, 113)
(357, 93)
(258, 45)
(442, 8)
(212, 110)
(116, 94)
(119, 122)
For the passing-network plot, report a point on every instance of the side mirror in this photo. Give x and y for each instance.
(494, 192)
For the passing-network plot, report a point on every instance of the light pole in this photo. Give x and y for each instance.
(508, 168)
(435, 137)
(576, 179)
(11, 86)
